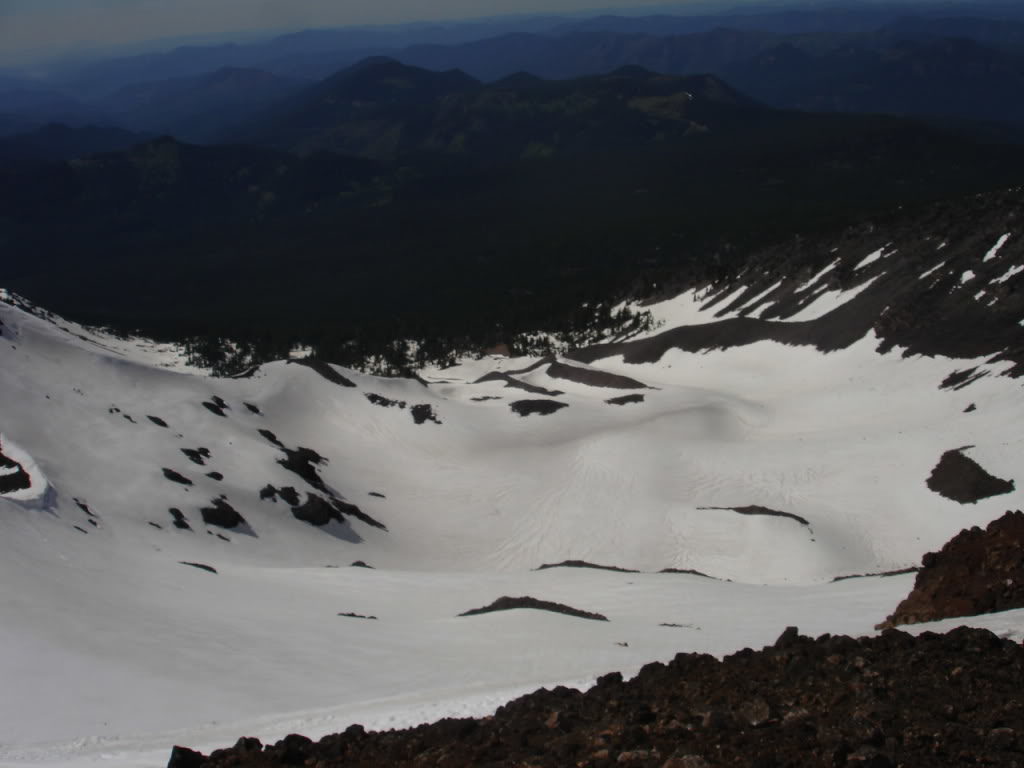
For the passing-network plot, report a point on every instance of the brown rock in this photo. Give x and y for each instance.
(975, 572)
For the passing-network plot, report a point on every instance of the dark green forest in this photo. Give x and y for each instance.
(460, 215)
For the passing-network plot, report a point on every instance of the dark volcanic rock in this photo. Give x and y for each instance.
(176, 477)
(384, 402)
(221, 514)
(625, 400)
(179, 519)
(585, 564)
(592, 377)
(13, 476)
(303, 462)
(319, 511)
(424, 413)
(158, 421)
(541, 407)
(216, 405)
(325, 370)
(511, 603)
(185, 758)
(754, 510)
(200, 566)
(271, 437)
(514, 383)
(316, 510)
(895, 699)
(880, 574)
(962, 479)
(197, 455)
(975, 572)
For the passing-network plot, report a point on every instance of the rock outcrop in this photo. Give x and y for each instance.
(977, 571)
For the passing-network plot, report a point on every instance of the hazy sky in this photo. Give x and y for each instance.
(37, 28)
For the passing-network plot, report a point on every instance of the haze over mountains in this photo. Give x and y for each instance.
(954, 61)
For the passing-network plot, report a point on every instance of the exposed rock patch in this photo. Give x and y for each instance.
(221, 514)
(625, 400)
(424, 413)
(511, 603)
(881, 702)
(514, 383)
(176, 477)
(960, 379)
(358, 616)
(13, 476)
(686, 572)
(179, 519)
(977, 571)
(200, 566)
(158, 421)
(384, 402)
(538, 407)
(421, 413)
(592, 377)
(303, 462)
(962, 479)
(326, 370)
(585, 564)
(197, 455)
(754, 510)
(880, 574)
(216, 405)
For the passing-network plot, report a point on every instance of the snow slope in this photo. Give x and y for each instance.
(113, 647)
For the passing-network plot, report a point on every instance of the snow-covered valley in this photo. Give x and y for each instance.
(731, 482)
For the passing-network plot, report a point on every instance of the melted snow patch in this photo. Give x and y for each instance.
(38, 480)
(994, 250)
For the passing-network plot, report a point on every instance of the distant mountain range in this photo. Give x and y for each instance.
(456, 204)
(962, 64)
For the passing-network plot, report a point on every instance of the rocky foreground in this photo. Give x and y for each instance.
(891, 700)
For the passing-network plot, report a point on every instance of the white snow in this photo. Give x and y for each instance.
(967, 276)
(1011, 272)
(814, 280)
(828, 301)
(994, 250)
(117, 651)
(871, 258)
(931, 271)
